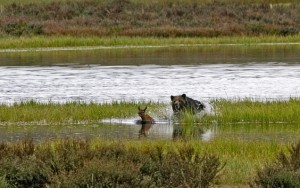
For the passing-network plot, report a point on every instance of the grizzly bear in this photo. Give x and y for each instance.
(182, 103)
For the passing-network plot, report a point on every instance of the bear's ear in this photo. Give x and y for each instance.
(183, 96)
(172, 97)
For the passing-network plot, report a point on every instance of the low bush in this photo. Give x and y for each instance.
(284, 173)
(27, 172)
(182, 170)
(23, 28)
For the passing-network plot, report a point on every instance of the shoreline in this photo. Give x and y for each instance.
(89, 48)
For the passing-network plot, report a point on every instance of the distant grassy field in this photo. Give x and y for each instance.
(160, 18)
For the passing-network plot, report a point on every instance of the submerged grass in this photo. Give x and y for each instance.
(145, 42)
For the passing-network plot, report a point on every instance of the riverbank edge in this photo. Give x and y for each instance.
(66, 43)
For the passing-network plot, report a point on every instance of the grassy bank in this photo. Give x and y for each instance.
(70, 163)
(225, 111)
(138, 42)
(161, 18)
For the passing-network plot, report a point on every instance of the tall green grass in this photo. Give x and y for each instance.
(224, 111)
(251, 111)
(70, 112)
(126, 42)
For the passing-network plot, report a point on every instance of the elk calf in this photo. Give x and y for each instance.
(147, 122)
(145, 117)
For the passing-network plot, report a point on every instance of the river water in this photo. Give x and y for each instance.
(203, 73)
(105, 75)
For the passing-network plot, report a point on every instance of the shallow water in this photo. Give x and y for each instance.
(153, 74)
(277, 133)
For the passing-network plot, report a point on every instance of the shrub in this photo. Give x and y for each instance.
(185, 168)
(28, 172)
(22, 28)
(284, 173)
(105, 173)
(289, 31)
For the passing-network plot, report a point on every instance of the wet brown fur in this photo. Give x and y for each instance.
(183, 103)
(147, 122)
(145, 117)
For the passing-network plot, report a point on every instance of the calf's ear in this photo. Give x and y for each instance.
(183, 96)
(172, 97)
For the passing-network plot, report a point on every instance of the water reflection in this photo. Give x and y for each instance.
(158, 56)
(131, 129)
(144, 131)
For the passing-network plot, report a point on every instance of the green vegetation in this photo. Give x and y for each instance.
(161, 18)
(155, 163)
(284, 172)
(70, 112)
(131, 42)
(81, 163)
(224, 112)
(247, 111)
(142, 162)
(251, 111)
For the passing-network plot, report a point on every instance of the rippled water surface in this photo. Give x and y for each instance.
(148, 82)
(153, 74)
(105, 76)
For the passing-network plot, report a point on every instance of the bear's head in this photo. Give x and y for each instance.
(179, 103)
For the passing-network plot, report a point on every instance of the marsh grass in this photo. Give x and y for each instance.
(226, 111)
(70, 112)
(142, 42)
(253, 111)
